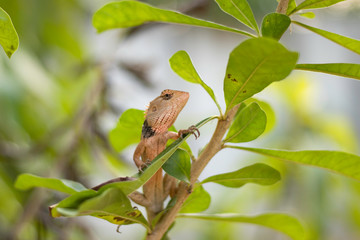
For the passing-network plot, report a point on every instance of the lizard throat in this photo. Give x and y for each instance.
(147, 131)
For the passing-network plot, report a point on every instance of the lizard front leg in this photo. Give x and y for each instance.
(139, 152)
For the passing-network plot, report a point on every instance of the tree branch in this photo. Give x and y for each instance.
(282, 6)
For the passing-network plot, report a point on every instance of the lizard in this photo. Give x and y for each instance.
(159, 117)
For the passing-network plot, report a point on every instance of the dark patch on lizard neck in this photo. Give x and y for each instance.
(147, 130)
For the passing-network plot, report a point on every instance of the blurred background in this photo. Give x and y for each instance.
(64, 89)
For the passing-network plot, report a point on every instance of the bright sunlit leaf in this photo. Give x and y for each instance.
(126, 14)
(239, 9)
(253, 65)
(291, 7)
(258, 173)
(27, 181)
(9, 39)
(349, 43)
(349, 70)
(249, 124)
(274, 25)
(312, 4)
(309, 15)
(339, 162)
(127, 130)
(198, 201)
(269, 112)
(277, 221)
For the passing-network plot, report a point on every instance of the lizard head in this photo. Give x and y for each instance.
(163, 110)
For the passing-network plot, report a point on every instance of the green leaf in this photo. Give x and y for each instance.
(9, 39)
(111, 205)
(127, 130)
(26, 181)
(178, 165)
(253, 65)
(239, 9)
(269, 112)
(339, 162)
(349, 43)
(309, 15)
(291, 7)
(181, 64)
(277, 221)
(248, 124)
(274, 25)
(348, 70)
(312, 4)
(73, 201)
(198, 201)
(126, 14)
(258, 173)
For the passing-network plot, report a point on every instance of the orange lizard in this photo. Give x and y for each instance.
(159, 117)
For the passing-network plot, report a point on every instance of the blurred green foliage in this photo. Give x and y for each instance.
(51, 95)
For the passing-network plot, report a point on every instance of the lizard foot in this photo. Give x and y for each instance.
(192, 129)
(144, 165)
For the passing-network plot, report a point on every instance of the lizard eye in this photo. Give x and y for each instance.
(167, 96)
(153, 109)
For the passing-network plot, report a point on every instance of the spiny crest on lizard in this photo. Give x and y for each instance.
(163, 111)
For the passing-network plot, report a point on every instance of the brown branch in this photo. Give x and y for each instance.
(184, 190)
(282, 6)
(119, 179)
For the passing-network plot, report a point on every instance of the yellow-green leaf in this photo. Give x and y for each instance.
(239, 9)
(27, 181)
(258, 173)
(277, 221)
(127, 130)
(198, 201)
(349, 70)
(9, 39)
(343, 163)
(312, 4)
(274, 25)
(346, 42)
(249, 124)
(309, 15)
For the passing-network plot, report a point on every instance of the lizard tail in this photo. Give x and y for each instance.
(153, 191)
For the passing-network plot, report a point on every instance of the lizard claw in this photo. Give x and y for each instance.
(192, 129)
(143, 166)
